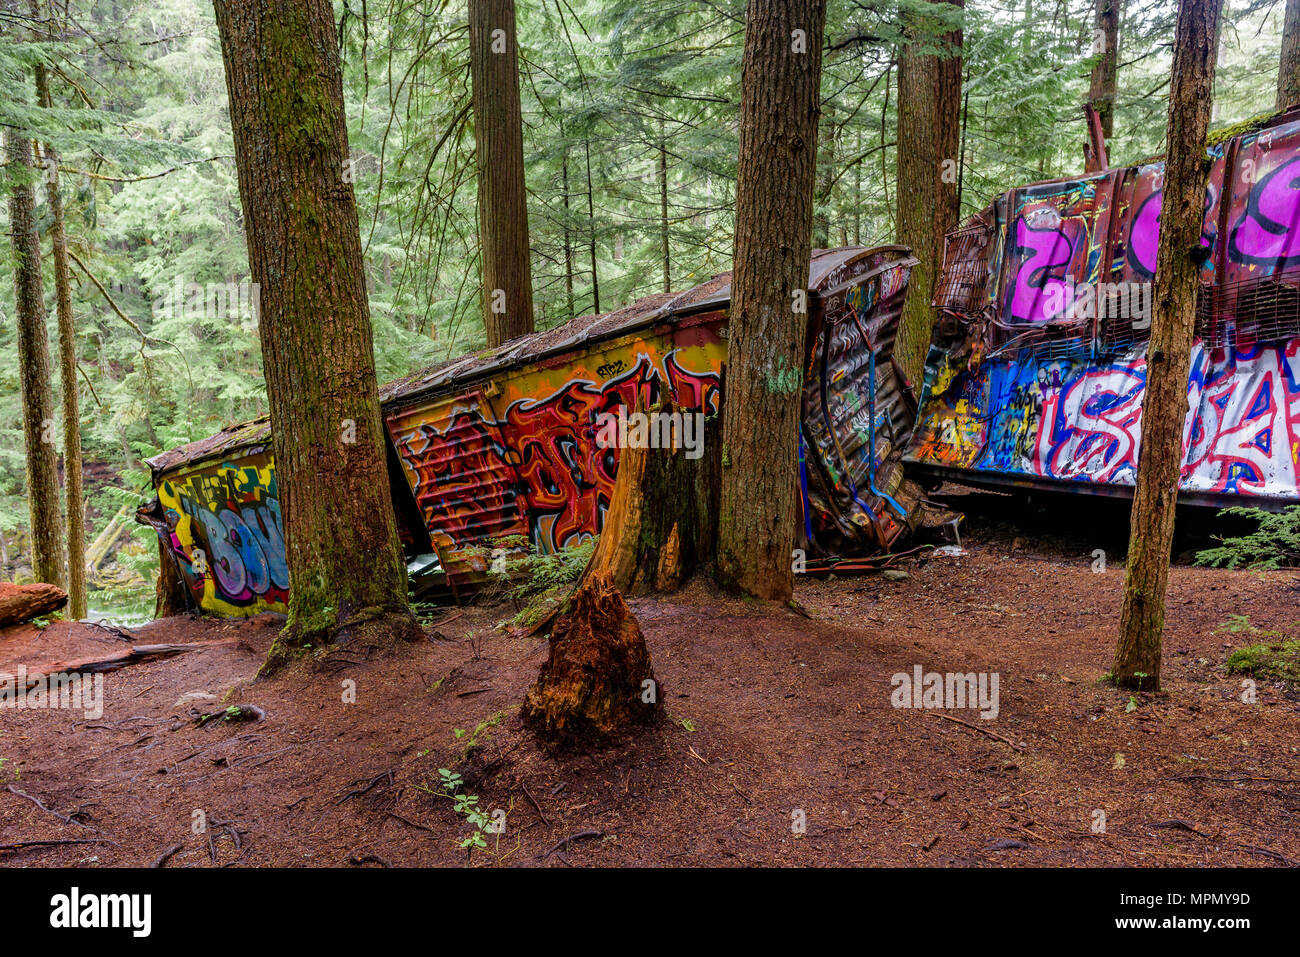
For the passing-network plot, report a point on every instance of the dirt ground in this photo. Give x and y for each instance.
(772, 719)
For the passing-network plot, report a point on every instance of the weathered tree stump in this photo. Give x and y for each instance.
(598, 681)
(662, 519)
(19, 603)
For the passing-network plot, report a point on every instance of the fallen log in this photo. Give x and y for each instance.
(20, 603)
(136, 654)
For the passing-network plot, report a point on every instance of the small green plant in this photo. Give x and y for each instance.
(1275, 542)
(466, 805)
(544, 579)
(479, 733)
(1277, 660)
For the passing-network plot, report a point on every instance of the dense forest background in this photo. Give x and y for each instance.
(630, 115)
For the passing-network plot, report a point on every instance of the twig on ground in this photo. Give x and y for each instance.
(167, 855)
(975, 727)
(565, 842)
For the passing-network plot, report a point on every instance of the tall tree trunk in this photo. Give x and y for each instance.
(1164, 406)
(1288, 74)
(499, 148)
(304, 249)
(568, 238)
(34, 366)
(73, 497)
(1102, 86)
(759, 503)
(591, 227)
(917, 192)
(663, 208)
(947, 133)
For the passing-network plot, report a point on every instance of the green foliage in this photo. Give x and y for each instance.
(1277, 660)
(1274, 543)
(1271, 655)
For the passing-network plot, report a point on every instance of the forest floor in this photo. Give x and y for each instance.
(771, 718)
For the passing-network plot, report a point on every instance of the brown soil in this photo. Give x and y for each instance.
(769, 714)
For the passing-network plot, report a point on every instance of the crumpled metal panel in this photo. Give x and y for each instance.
(1005, 403)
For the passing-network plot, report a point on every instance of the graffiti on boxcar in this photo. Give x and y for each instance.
(475, 477)
(227, 535)
(1268, 232)
(1044, 254)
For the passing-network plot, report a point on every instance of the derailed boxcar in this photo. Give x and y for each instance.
(502, 446)
(1037, 368)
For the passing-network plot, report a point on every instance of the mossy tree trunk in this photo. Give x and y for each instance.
(34, 377)
(1164, 406)
(304, 248)
(917, 193)
(759, 503)
(499, 148)
(73, 497)
(1288, 74)
(1102, 84)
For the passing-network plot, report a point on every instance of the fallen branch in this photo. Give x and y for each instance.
(369, 787)
(975, 727)
(581, 835)
(23, 845)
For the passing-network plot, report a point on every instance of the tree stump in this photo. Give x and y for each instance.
(598, 681)
(662, 519)
(19, 603)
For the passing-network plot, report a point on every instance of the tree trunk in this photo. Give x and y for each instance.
(73, 497)
(1102, 86)
(663, 208)
(1164, 406)
(917, 192)
(591, 226)
(759, 503)
(499, 148)
(304, 249)
(598, 681)
(947, 134)
(1288, 74)
(34, 366)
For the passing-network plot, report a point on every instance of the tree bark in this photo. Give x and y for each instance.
(661, 525)
(304, 249)
(663, 208)
(19, 603)
(917, 192)
(759, 503)
(1102, 85)
(499, 148)
(73, 496)
(947, 133)
(1164, 406)
(598, 681)
(34, 366)
(1288, 74)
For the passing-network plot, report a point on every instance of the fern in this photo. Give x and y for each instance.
(1275, 542)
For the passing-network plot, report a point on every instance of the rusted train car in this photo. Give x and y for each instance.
(502, 444)
(1037, 369)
